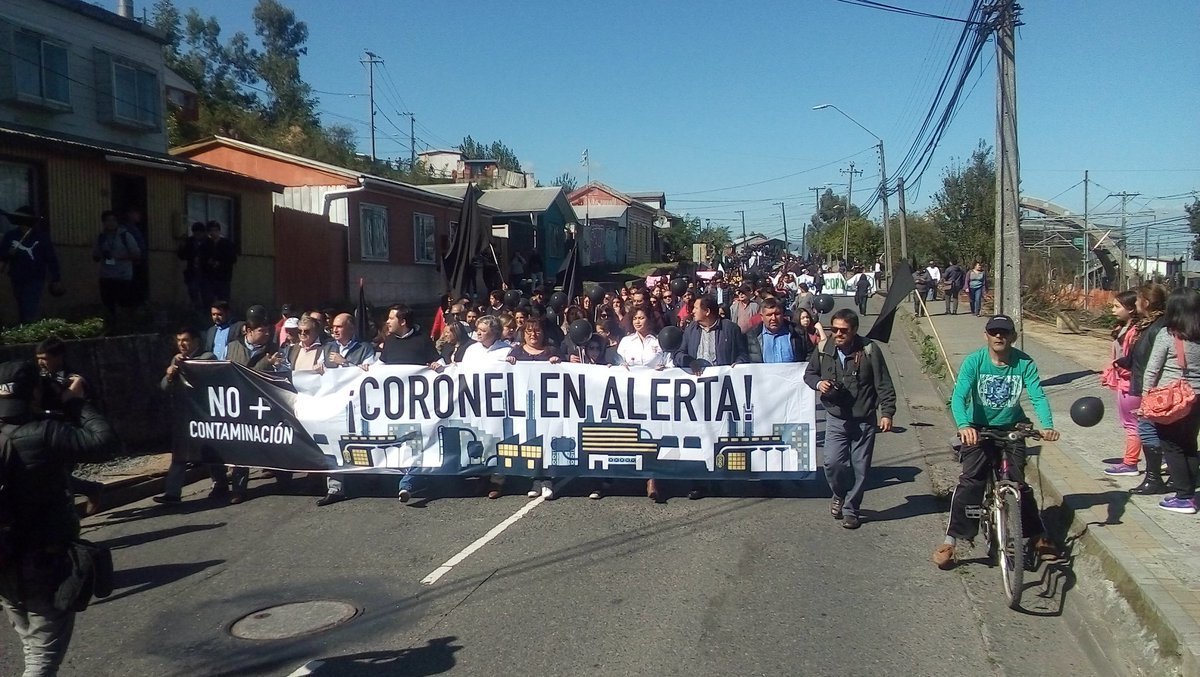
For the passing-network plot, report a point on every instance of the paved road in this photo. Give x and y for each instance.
(737, 585)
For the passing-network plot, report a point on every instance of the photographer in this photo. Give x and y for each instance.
(850, 373)
(39, 522)
(57, 378)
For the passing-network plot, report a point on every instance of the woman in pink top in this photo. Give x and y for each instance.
(1124, 308)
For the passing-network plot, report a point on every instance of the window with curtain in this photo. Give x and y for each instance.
(373, 232)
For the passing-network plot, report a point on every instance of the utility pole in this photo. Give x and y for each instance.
(1087, 244)
(1123, 276)
(903, 218)
(849, 201)
(817, 211)
(743, 213)
(887, 225)
(1008, 166)
(786, 247)
(412, 140)
(370, 61)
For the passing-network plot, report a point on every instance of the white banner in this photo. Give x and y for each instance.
(745, 422)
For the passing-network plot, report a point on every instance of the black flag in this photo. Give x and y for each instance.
(902, 286)
(362, 316)
(572, 285)
(471, 238)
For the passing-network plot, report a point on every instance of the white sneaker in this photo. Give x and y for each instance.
(595, 495)
(532, 493)
(547, 492)
(404, 495)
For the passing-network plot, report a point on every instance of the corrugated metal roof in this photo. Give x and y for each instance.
(351, 174)
(506, 200)
(600, 211)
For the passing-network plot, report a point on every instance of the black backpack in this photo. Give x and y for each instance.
(8, 545)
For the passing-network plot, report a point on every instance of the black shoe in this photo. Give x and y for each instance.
(695, 495)
(219, 493)
(835, 508)
(330, 499)
(851, 522)
(167, 500)
(1151, 485)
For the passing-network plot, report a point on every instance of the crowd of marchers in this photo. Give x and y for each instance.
(679, 323)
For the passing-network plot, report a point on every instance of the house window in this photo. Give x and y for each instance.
(18, 188)
(206, 207)
(423, 234)
(40, 70)
(135, 95)
(373, 232)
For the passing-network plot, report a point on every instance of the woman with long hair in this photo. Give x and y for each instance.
(811, 328)
(534, 348)
(1124, 335)
(640, 348)
(976, 287)
(1175, 356)
(1151, 304)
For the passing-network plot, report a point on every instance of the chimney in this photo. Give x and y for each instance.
(125, 9)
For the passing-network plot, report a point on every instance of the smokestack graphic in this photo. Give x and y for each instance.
(350, 413)
(591, 414)
(530, 420)
(508, 422)
(733, 426)
(748, 420)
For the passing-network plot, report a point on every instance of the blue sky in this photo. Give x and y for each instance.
(693, 98)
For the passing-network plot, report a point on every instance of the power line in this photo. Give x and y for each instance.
(901, 10)
(777, 178)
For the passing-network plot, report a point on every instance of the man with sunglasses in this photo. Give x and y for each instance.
(987, 394)
(853, 379)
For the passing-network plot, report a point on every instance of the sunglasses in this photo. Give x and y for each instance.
(840, 330)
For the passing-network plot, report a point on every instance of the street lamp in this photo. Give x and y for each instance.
(887, 226)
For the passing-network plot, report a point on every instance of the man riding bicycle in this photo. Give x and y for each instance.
(988, 395)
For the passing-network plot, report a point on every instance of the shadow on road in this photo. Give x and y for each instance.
(1063, 379)
(888, 475)
(149, 536)
(140, 579)
(913, 506)
(433, 659)
(1061, 516)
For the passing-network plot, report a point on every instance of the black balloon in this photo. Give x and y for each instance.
(512, 297)
(580, 331)
(823, 303)
(596, 294)
(670, 338)
(679, 285)
(1087, 411)
(256, 314)
(558, 300)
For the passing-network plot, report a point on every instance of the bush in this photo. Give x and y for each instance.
(32, 333)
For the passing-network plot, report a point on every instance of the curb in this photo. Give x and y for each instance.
(1176, 632)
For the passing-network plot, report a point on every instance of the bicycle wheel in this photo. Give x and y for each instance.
(1010, 543)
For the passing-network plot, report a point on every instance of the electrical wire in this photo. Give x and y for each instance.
(902, 10)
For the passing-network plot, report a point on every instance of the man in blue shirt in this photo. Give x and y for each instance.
(222, 332)
(775, 339)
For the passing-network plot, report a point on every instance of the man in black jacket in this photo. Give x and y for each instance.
(775, 339)
(38, 511)
(850, 373)
(710, 340)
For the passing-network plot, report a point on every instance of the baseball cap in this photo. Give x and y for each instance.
(17, 379)
(291, 323)
(1001, 322)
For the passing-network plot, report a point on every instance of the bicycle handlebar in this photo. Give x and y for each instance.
(1021, 432)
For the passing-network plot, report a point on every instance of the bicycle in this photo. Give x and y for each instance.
(1000, 513)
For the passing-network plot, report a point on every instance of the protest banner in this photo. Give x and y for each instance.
(528, 419)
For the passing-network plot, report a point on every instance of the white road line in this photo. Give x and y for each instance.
(481, 541)
(307, 669)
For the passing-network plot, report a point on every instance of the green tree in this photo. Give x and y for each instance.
(503, 155)
(678, 238)
(864, 240)
(566, 182)
(964, 209)
(717, 237)
(278, 65)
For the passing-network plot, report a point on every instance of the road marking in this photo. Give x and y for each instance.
(481, 541)
(308, 668)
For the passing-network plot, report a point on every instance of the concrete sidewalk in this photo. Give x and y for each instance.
(1152, 556)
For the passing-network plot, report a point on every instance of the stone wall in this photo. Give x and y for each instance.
(124, 373)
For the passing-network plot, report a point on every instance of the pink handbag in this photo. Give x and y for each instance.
(1170, 403)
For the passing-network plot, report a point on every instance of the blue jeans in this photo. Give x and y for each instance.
(849, 447)
(29, 299)
(976, 301)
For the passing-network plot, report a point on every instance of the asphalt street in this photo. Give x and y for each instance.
(760, 581)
